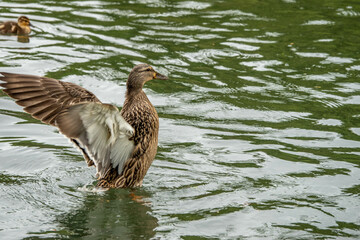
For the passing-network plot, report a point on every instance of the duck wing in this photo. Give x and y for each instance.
(97, 129)
(44, 98)
(8, 27)
(101, 131)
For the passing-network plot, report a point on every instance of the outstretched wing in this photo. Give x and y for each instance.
(101, 131)
(98, 129)
(44, 98)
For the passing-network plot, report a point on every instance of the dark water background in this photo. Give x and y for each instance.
(259, 122)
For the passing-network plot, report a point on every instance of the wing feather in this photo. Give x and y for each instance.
(42, 97)
(37, 107)
(101, 131)
(26, 95)
(12, 85)
(25, 89)
(33, 101)
(98, 129)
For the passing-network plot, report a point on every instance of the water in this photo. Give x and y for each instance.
(259, 122)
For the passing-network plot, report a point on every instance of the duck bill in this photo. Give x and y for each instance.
(160, 76)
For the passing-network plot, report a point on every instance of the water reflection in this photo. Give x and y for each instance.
(23, 39)
(112, 214)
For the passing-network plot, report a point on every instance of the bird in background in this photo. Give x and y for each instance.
(121, 145)
(21, 27)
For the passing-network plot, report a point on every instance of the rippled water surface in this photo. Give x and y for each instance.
(259, 122)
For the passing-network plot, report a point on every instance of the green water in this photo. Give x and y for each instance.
(259, 122)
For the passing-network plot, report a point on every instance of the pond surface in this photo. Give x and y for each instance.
(259, 122)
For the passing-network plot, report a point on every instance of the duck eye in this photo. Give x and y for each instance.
(148, 69)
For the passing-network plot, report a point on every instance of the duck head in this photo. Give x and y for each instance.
(141, 74)
(24, 22)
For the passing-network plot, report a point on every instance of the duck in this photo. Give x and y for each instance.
(21, 27)
(121, 145)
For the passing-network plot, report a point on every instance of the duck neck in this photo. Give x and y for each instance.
(24, 28)
(133, 93)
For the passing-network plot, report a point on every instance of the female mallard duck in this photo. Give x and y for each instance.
(21, 27)
(121, 145)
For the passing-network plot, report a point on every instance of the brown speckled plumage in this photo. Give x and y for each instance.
(142, 116)
(21, 27)
(127, 140)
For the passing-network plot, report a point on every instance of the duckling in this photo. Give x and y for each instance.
(21, 27)
(121, 145)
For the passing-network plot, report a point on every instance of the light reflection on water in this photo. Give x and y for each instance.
(259, 130)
